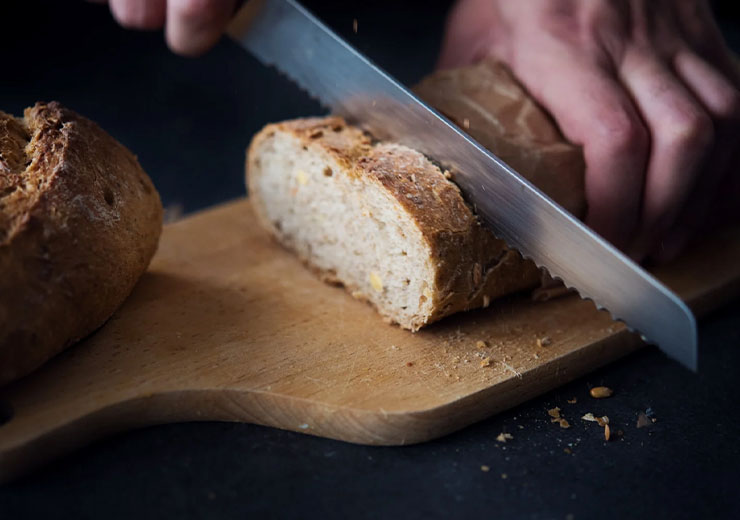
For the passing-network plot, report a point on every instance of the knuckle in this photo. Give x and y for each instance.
(689, 128)
(621, 132)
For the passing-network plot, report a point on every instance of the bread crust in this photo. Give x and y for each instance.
(488, 102)
(471, 266)
(79, 222)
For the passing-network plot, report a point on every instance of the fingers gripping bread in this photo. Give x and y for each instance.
(379, 218)
(79, 222)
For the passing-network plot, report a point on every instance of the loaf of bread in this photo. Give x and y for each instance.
(79, 223)
(492, 106)
(384, 221)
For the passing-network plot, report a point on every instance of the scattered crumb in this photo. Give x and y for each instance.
(601, 392)
(486, 300)
(589, 417)
(602, 421)
(503, 437)
(393, 347)
(354, 25)
(554, 413)
(485, 362)
(448, 175)
(410, 364)
(536, 355)
(642, 420)
(485, 468)
(521, 427)
(303, 426)
(544, 341)
(573, 401)
(567, 450)
(512, 369)
(504, 476)
(607, 432)
(481, 344)
(466, 123)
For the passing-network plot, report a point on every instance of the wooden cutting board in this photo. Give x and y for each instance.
(228, 326)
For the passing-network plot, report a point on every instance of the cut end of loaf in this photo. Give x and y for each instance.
(378, 218)
(308, 190)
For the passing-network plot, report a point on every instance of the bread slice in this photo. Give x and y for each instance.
(79, 222)
(379, 218)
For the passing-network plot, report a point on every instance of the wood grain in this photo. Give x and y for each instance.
(228, 326)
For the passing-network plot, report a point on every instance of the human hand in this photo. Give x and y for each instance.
(191, 26)
(647, 87)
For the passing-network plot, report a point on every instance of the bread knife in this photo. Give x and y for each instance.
(283, 34)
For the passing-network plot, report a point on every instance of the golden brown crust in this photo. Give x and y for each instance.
(470, 263)
(79, 223)
(492, 106)
(472, 267)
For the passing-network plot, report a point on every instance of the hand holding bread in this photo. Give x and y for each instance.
(649, 88)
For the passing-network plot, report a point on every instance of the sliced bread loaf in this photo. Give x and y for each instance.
(385, 222)
(381, 219)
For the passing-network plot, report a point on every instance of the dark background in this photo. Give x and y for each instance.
(189, 122)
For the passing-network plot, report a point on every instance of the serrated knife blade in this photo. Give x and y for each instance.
(283, 34)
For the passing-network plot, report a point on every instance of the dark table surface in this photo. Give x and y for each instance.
(189, 122)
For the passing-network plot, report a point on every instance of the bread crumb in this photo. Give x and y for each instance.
(354, 25)
(503, 437)
(409, 363)
(485, 362)
(448, 175)
(589, 417)
(544, 341)
(573, 401)
(486, 301)
(376, 282)
(554, 413)
(466, 123)
(301, 176)
(481, 344)
(567, 450)
(642, 420)
(607, 432)
(485, 468)
(601, 392)
(504, 476)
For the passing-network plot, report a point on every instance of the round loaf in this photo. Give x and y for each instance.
(79, 223)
